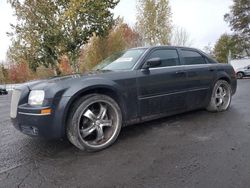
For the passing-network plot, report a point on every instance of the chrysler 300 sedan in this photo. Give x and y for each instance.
(129, 87)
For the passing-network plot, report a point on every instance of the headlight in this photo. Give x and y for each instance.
(36, 97)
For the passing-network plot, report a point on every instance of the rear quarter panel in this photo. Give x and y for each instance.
(226, 72)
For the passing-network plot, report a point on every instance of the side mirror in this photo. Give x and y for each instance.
(154, 62)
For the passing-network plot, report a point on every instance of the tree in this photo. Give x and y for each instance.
(3, 73)
(120, 37)
(209, 50)
(2, 79)
(19, 73)
(129, 36)
(64, 65)
(180, 37)
(223, 46)
(43, 72)
(239, 20)
(47, 30)
(93, 53)
(154, 21)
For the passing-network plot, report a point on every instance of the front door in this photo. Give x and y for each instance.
(162, 89)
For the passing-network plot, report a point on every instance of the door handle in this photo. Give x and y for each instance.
(211, 69)
(180, 73)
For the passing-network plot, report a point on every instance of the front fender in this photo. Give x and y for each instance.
(91, 83)
(78, 89)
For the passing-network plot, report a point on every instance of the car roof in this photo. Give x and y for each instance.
(166, 46)
(178, 47)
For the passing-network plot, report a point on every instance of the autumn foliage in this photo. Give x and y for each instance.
(120, 37)
(19, 72)
(64, 65)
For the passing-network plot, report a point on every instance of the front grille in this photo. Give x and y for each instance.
(16, 94)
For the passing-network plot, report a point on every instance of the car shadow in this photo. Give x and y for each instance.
(63, 149)
(41, 148)
(169, 121)
(191, 121)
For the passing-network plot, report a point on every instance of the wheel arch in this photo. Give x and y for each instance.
(223, 76)
(227, 79)
(231, 81)
(101, 89)
(240, 72)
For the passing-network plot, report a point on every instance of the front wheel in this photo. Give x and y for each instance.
(221, 97)
(94, 122)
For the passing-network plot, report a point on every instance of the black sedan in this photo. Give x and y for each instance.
(3, 91)
(129, 87)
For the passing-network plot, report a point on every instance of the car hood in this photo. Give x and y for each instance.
(63, 80)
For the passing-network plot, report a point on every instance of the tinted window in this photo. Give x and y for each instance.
(168, 57)
(192, 58)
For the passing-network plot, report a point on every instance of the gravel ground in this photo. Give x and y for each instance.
(196, 149)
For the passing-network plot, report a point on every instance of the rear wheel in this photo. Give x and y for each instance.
(221, 97)
(240, 75)
(94, 122)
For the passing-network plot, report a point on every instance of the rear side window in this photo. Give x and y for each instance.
(168, 57)
(192, 57)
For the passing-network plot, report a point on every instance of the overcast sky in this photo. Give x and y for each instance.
(202, 19)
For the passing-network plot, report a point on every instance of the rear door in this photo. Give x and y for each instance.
(162, 89)
(200, 77)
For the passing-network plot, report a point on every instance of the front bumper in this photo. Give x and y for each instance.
(35, 125)
(30, 121)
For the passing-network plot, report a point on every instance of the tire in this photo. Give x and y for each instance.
(94, 122)
(221, 97)
(240, 75)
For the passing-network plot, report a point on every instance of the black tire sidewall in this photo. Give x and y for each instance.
(73, 127)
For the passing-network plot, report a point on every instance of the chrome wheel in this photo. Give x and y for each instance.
(221, 97)
(98, 123)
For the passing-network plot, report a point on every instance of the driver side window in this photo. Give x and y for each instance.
(167, 57)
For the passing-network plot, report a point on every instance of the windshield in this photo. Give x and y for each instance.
(121, 61)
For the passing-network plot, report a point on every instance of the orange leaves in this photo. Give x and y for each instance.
(120, 37)
(19, 73)
(64, 65)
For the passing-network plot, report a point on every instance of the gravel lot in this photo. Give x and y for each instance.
(196, 149)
